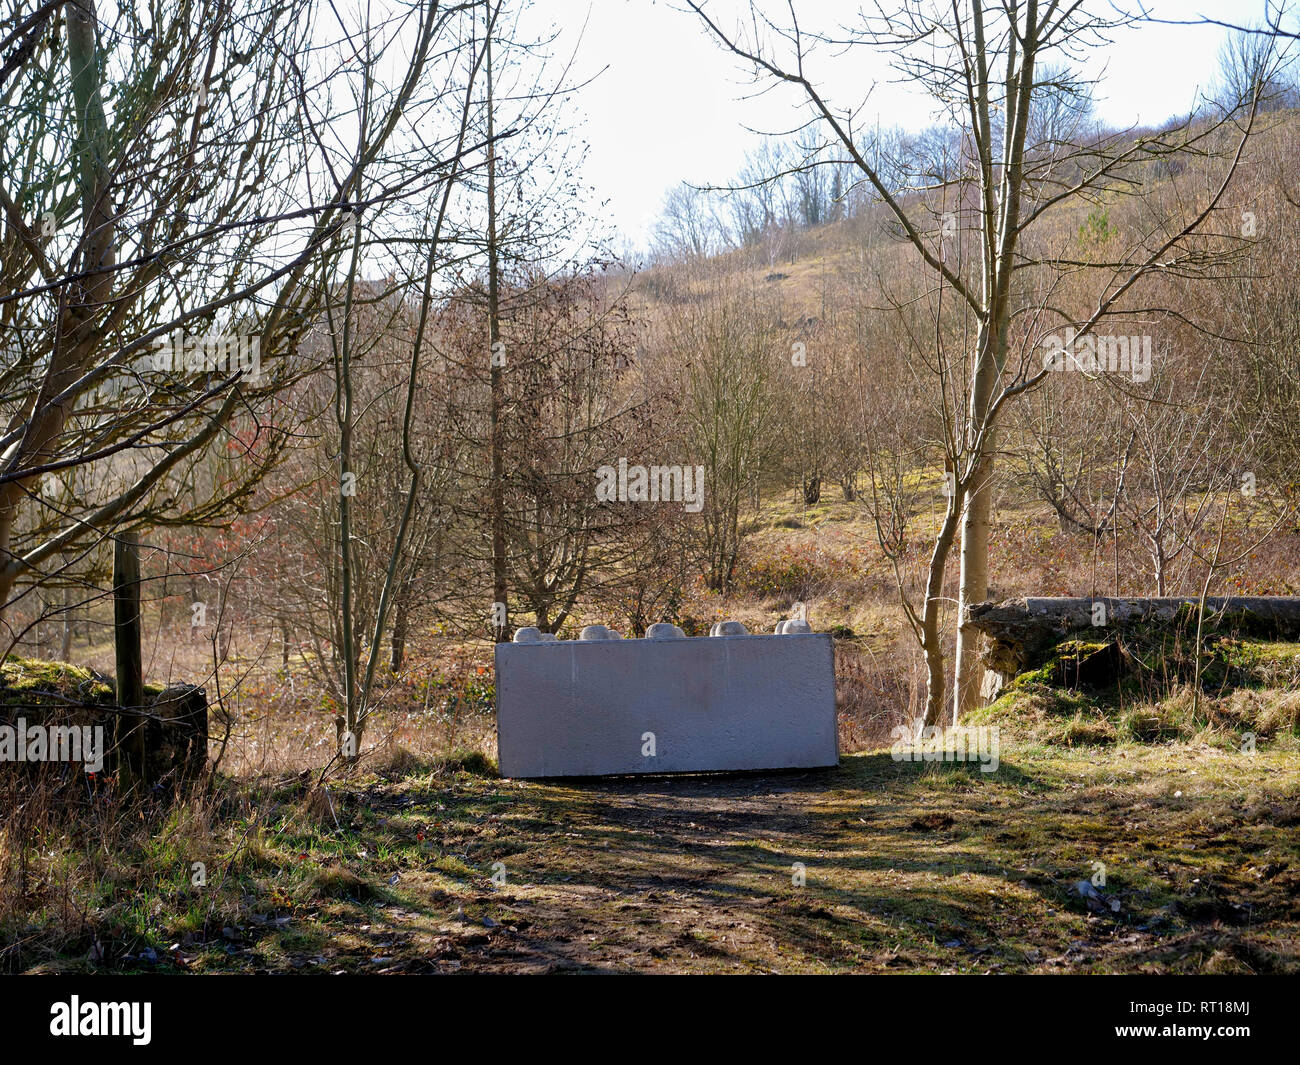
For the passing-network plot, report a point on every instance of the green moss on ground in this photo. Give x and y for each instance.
(37, 682)
(1248, 692)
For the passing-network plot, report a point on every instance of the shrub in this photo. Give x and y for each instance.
(797, 573)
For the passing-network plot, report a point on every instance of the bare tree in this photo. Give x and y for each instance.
(726, 351)
(688, 227)
(1256, 65)
(983, 65)
(155, 282)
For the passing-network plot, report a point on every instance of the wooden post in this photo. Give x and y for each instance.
(130, 731)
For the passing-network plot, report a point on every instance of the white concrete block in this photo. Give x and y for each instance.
(598, 632)
(595, 707)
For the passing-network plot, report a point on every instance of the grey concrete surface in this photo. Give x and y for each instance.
(595, 706)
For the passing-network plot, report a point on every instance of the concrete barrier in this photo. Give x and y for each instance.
(602, 705)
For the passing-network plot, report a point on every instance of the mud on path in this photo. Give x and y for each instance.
(905, 867)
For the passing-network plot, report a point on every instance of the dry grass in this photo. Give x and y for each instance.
(908, 867)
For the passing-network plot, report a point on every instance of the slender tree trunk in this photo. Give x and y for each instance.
(348, 725)
(974, 572)
(931, 614)
(1001, 224)
(500, 610)
(65, 650)
(398, 639)
(974, 588)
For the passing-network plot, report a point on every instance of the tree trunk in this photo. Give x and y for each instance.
(931, 633)
(398, 638)
(973, 586)
(978, 495)
(500, 613)
(79, 302)
(65, 649)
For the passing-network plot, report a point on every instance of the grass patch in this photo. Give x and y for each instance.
(877, 866)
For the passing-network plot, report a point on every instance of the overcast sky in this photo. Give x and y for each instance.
(670, 106)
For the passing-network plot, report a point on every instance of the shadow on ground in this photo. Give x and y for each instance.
(876, 865)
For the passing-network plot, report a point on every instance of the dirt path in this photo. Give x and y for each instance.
(664, 874)
(907, 867)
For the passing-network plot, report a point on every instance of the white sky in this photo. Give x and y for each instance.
(670, 106)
